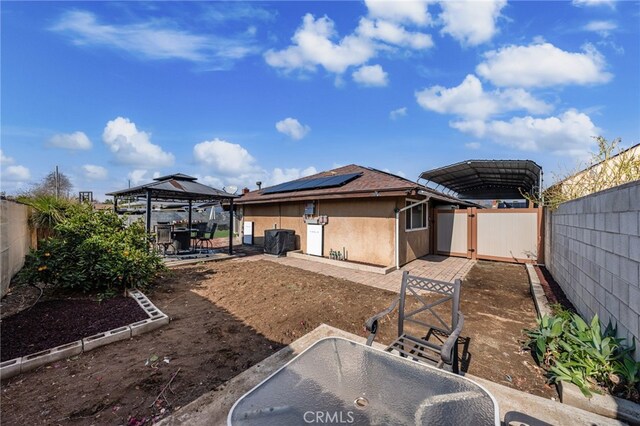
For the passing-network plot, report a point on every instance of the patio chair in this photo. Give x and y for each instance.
(206, 236)
(163, 238)
(439, 345)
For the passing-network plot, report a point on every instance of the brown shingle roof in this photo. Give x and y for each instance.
(371, 181)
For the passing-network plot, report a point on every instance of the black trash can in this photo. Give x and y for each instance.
(279, 241)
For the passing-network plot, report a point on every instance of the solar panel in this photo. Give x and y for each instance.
(316, 183)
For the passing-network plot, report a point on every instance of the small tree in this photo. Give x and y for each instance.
(609, 167)
(56, 184)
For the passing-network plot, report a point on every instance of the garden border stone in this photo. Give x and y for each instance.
(10, 368)
(23, 364)
(156, 317)
(101, 339)
(31, 361)
(539, 298)
(604, 405)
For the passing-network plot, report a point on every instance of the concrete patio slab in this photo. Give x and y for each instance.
(518, 408)
(441, 268)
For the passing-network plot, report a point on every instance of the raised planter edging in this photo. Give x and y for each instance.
(539, 298)
(23, 364)
(604, 405)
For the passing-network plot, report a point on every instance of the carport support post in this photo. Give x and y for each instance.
(148, 212)
(230, 226)
(189, 226)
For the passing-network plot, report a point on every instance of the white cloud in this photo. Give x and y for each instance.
(392, 33)
(75, 140)
(542, 65)
(471, 22)
(579, 3)
(224, 157)
(285, 175)
(15, 173)
(371, 75)
(292, 128)
(132, 146)
(603, 28)
(407, 11)
(94, 172)
(154, 39)
(212, 181)
(397, 113)
(398, 173)
(571, 133)
(469, 100)
(4, 160)
(316, 43)
(139, 176)
(313, 46)
(473, 145)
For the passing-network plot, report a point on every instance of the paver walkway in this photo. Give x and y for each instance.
(441, 268)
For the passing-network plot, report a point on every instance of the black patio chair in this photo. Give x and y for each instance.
(163, 238)
(439, 345)
(207, 235)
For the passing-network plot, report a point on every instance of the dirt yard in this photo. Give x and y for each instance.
(227, 316)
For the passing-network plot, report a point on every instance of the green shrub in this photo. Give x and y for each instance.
(573, 351)
(93, 251)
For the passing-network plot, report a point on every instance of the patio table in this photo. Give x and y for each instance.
(337, 381)
(182, 238)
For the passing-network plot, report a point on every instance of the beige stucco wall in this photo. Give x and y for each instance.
(15, 240)
(365, 228)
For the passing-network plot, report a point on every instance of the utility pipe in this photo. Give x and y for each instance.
(397, 236)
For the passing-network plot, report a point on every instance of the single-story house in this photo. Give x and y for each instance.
(364, 214)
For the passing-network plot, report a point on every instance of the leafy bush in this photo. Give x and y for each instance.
(594, 360)
(92, 251)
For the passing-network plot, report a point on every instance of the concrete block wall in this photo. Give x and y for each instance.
(15, 240)
(593, 252)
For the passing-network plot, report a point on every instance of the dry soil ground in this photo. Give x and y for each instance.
(227, 316)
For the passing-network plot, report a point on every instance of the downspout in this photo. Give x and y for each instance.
(230, 226)
(397, 239)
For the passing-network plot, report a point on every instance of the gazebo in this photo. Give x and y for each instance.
(177, 187)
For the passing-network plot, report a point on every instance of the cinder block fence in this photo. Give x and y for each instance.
(592, 249)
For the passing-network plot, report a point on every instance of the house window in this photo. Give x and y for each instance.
(416, 216)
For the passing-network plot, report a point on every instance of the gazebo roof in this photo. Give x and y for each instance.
(175, 187)
(487, 179)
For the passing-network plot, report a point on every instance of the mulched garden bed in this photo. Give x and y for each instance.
(55, 322)
(552, 289)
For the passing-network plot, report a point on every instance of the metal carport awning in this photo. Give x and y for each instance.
(488, 179)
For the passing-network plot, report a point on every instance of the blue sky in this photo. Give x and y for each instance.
(238, 92)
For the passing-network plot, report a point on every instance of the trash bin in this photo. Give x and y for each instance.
(279, 241)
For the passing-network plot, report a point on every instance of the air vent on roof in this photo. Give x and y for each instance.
(317, 183)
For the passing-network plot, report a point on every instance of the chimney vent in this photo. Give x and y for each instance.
(259, 184)
(245, 190)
